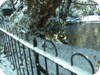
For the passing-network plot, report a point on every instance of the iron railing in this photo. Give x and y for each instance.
(25, 57)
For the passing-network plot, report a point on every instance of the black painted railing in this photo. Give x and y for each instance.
(25, 57)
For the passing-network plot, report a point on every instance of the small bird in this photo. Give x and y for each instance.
(48, 36)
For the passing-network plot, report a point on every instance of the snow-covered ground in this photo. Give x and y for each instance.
(1, 72)
(5, 66)
(2, 1)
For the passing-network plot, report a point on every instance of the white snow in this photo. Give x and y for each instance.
(1, 72)
(93, 18)
(5, 66)
(18, 3)
(17, 16)
(25, 8)
(97, 1)
(98, 72)
(2, 1)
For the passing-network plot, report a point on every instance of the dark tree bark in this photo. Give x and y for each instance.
(42, 10)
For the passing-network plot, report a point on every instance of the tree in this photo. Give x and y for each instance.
(41, 10)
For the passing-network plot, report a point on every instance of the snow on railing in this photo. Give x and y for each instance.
(60, 62)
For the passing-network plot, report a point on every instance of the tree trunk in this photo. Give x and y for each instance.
(42, 10)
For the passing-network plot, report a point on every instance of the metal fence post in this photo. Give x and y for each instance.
(93, 70)
(31, 61)
(56, 54)
(36, 57)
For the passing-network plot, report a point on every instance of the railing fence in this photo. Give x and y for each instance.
(25, 57)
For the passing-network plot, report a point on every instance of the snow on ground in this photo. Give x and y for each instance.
(98, 72)
(1, 72)
(97, 1)
(2, 1)
(5, 66)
